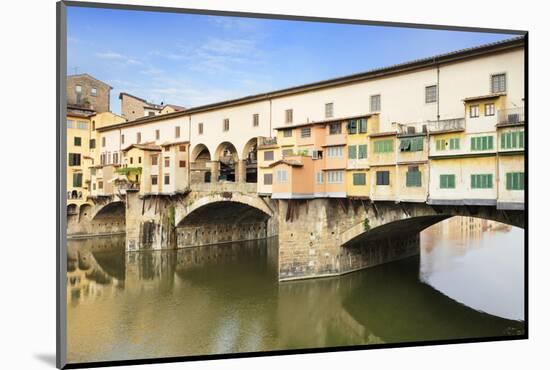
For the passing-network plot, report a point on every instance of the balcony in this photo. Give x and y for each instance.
(267, 141)
(511, 116)
(453, 124)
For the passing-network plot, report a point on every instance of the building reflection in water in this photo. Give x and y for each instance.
(227, 298)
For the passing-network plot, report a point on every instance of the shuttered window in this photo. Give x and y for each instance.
(334, 151)
(413, 144)
(498, 83)
(440, 144)
(447, 181)
(268, 179)
(255, 120)
(352, 126)
(335, 128)
(431, 94)
(362, 152)
(329, 110)
(319, 176)
(74, 159)
(288, 116)
(482, 143)
(481, 181)
(359, 179)
(414, 177)
(352, 152)
(512, 140)
(77, 180)
(268, 155)
(514, 181)
(382, 177)
(306, 132)
(287, 133)
(454, 143)
(335, 177)
(383, 146)
(375, 103)
(282, 176)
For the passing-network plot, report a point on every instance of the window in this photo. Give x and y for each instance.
(335, 177)
(100, 184)
(177, 133)
(335, 128)
(122, 138)
(268, 155)
(92, 171)
(157, 134)
(319, 177)
(383, 146)
(352, 152)
(362, 152)
(182, 164)
(92, 143)
(412, 144)
(431, 94)
(375, 103)
(287, 133)
(352, 126)
(454, 143)
(94, 91)
(154, 180)
(77, 141)
(131, 160)
(334, 151)
(138, 137)
(82, 125)
(498, 83)
(78, 91)
(201, 128)
(255, 120)
(115, 158)
(329, 110)
(74, 159)
(382, 177)
(414, 177)
(359, 179)
(440, 144)
(182, 148)
(226, 124)
(70, 123)
(514, 181)
(103, 142)
(93, 125)
(166, 161)
(490, 109)
(288, 116)
(77, 180)
(362, 126)
(282, 176)
(306, 132)
(154, 160)
(483, 181)
(268, 178)
(512, 140)
(446, 181)
(102, 158)
(150, 113)
(287, 152)
(482, 143)
(93, 186)
(166, 179)
(139, 159)
(474, 111)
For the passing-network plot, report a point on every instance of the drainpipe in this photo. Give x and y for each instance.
(437, 90)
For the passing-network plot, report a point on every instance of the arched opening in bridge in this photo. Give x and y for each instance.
(85, 210)
(200, 165)
(250, 160)
(228, 158)
(110, 219)
(222, 222)
(72, 209)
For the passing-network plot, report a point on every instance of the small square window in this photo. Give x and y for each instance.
(490, 109)
(431, 94)
(474, 111)
(329, 110)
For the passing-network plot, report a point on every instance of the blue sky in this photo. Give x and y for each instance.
(192, 60)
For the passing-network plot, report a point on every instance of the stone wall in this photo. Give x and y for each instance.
(99, 103)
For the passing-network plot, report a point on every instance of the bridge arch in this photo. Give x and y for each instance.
(250, 160)
(116, 209)
(412, 218)
(200, 153)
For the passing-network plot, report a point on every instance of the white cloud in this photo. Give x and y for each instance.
(110, 55)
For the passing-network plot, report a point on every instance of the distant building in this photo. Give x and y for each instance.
(85, 91)
(132, 107)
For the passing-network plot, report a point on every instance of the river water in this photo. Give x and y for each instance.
(467, 283)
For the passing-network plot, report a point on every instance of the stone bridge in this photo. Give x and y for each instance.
(319, 237)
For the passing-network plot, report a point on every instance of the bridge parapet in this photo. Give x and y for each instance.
(219, 187)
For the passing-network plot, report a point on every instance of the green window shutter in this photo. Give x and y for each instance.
(362, 151)
(352, 152)
(473, 143)
(521, 139)
(490, 142)
(490, 181)
(359, 179)
(473, 182)
(514, 139)
(521, 179)
(509, 181)
(452, 181)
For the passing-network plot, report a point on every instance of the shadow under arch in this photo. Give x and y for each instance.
(111, 210)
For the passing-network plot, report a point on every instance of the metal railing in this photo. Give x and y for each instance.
(511, 116)
(268, 141)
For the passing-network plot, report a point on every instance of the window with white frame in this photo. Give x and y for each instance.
(431, 94)
(282, 176)
(498, 83)
(375, 103)
(474, 111)
(329, 110)
(334, 151)
(335, 177)
(319, 176)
